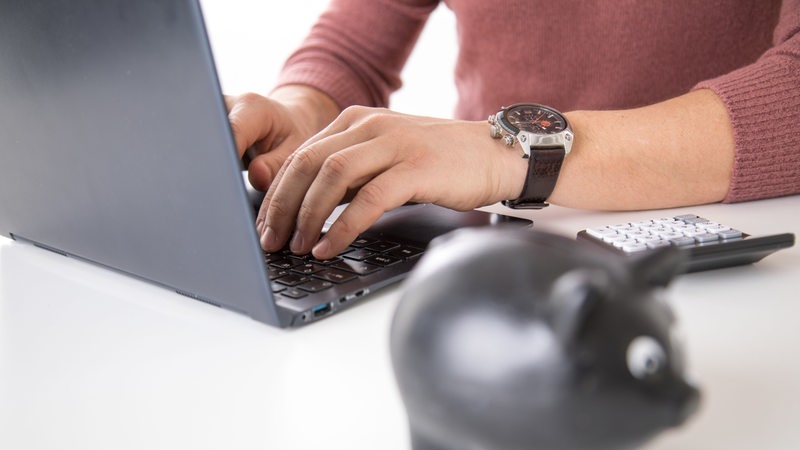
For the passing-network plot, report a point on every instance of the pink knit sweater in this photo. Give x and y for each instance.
(587, 54)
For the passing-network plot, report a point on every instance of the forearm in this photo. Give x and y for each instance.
(678, 152)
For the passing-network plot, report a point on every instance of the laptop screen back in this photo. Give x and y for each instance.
(115, 146)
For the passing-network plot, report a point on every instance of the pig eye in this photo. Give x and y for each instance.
(646, 357)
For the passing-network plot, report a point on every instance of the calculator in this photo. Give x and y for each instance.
(708, 244)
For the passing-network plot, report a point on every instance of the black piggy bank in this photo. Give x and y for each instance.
(509, 339)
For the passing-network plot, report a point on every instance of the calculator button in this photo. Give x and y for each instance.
(730, 234)
(599, 233)
(624, 242)
(670, 235)
(706, 238)
(658, 244)
(682, 241)
(694, 232)
(634, 247)
(695, 220)
(614, 238)
(642, 224)
(637, 234)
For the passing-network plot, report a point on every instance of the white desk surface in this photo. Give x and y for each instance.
(90, 359)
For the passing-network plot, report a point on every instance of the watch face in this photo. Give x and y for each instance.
(535, 119)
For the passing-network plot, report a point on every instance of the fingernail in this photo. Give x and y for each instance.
(269, 239)
(297, 243)
(260, 225)
(321, 249)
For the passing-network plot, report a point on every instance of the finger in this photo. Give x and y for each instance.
(252, 118)
(287, 191)
(387, 191)
(342, 172)
(263, 168)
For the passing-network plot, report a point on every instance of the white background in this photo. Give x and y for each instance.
(251, 40)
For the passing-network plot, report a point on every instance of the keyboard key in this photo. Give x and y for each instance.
(406, 252)
(308, 268)
(382, 246)
(362, 242)
(315, 285)
(275, 272)
(358, 254)
(357, 267)
(334, 275)
(285, 263)
(294, 293)
(382, 260)
(293, 279)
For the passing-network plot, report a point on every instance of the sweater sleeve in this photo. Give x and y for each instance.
(357, 48)
(763, 102)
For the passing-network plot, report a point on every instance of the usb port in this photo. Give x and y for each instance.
(321, 310)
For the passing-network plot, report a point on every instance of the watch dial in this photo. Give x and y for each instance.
(536, 119)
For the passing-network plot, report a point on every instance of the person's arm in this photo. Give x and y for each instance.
(675, 153)
(678, 152)
(763, 102)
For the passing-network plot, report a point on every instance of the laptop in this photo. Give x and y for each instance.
(115, 148)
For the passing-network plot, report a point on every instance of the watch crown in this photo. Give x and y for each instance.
(509, 140)
(495, 132)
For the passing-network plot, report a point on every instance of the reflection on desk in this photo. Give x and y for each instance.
(92, 359)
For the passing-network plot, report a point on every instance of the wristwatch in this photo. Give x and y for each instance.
(545, 137)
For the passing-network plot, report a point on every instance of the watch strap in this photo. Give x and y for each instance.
(543, 169)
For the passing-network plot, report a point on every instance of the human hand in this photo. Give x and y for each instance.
(380, 160)
(274, 127)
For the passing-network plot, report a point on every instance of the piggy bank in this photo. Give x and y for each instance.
(513, 339)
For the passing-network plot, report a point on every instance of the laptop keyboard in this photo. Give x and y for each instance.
(297, 276)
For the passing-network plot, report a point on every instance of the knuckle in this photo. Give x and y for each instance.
(345, 227)
(249, 98)
(277, 209)
(372, 196)
(335, 166)
(305, 214)
(303, 161)
(353, 111)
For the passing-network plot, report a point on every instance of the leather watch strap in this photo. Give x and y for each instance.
(543, 169)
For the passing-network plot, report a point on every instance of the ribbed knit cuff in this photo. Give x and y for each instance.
(763, 102)
(332, 78)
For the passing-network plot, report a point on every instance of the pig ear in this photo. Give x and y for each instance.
(659, 267)
(573, 297)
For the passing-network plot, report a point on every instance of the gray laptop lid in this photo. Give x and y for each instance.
(115, 147)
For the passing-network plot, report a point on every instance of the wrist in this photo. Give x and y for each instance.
(311, 106)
